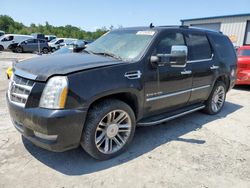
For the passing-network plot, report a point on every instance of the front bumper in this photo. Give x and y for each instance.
(54, 130)
(243, 77)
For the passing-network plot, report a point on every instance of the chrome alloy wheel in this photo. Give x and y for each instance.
(113, 131)
(218, 99)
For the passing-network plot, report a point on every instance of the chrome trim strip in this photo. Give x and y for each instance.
(168, 95)
(15, 103)
(200, 60)
(17, 126)
(24, 74)
(176, 93)
(29, 88)
(172, 117)
(201, 87)
(20, 95)
(133, 75)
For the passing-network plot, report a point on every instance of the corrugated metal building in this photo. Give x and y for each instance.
(236, 27)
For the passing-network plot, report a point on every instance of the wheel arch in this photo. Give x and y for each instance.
(129, 98)
(224, 78)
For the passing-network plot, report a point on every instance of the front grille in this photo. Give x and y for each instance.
(19, 90)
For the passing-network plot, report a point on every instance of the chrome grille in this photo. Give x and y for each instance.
(19, 90)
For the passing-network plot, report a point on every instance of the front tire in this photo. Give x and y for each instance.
(109, 129)
(216, 99)
(19, 49)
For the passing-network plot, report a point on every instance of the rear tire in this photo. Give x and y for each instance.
(216, 100)
(45, 50)
(1, 48)
(109, 129)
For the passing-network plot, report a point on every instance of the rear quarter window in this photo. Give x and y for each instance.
(223, 47)
(198, 46)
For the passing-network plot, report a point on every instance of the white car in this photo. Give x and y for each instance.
(10, 39)
(50, 37)
(58, 42)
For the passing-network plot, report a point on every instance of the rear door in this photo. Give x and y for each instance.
(200, 57)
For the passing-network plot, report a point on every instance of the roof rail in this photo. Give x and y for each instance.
(180, 26)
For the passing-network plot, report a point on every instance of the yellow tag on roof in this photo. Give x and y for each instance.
(151, 33)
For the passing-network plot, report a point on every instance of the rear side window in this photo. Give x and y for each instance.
(223, 47)
(198, 47)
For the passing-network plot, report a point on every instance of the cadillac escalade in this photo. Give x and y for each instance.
(128, 77)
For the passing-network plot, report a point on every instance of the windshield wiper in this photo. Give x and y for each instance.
(108, 54)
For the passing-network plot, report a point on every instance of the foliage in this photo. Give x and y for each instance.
(8, 25)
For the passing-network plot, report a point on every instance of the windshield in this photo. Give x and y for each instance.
(126, 45)
(244, 52)
(54, 40)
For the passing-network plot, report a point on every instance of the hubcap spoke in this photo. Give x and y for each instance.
(106, 148)
(100, 139)
(120, 118)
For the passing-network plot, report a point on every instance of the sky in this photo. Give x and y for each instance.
(92, 14)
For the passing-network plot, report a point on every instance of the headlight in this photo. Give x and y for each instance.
(55, 93)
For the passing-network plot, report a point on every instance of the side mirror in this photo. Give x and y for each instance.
(177, 57)
(154, 59)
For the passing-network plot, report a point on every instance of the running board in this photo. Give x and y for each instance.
(155, 122)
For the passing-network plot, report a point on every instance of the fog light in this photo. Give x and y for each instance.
(45, 136)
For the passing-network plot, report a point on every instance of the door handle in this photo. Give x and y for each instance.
(214, 67)
(186, 72)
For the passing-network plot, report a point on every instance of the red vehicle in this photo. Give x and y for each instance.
(243, 73)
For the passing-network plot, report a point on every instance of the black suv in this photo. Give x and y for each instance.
(128, 77)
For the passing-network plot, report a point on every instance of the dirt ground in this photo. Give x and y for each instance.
(196, 150)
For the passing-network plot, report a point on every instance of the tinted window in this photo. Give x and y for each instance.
(165, 45)
(223, 47)
(30, 41)
(41, 41)
(59, 41)
(198, 47)
(244, 52)
(8, 38)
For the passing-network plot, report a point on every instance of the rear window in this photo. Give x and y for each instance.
(198, 47)
(224, 47)
(244, 52)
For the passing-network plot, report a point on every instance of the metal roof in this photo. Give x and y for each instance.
(215, 17)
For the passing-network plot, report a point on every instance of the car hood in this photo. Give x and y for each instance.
(41, 68)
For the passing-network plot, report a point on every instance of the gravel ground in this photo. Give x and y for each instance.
(196, 150)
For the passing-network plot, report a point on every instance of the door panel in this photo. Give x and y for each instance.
(166, 87)
(201, 61)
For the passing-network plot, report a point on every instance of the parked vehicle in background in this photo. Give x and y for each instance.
(243, 71)
(2, 33)
(9, 40)
(38, 35)
(128, 77)
(50, 37)
(33, 45)
(58, 42)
